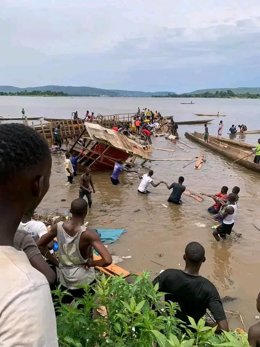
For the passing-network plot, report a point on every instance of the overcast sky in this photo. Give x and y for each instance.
(150, 45)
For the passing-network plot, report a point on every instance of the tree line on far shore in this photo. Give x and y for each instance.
(34, 93)
(216, 94)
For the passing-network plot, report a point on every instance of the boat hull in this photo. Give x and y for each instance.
(228, 151)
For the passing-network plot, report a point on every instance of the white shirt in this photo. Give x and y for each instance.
(27, 315)
(230, 218)
(35, 228)
(68, 165)
(146, 180)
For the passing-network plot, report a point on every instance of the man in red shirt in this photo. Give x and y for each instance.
(219, 198)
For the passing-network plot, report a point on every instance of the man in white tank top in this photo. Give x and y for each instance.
(228, 219)
(76, 245)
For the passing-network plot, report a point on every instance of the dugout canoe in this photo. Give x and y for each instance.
(238, 144)
(248, 132)
(188, 122)
(227, 150)
(209, 115)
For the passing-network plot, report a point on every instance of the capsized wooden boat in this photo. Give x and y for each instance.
(183, 122)
(100, 148)
(209, 115)
(232, 152)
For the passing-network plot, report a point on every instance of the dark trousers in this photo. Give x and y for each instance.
(257, 159)
(70, 179)
(83, 192)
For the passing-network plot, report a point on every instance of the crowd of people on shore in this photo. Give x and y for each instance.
(27, 315)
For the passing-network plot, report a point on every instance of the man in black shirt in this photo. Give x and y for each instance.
(177, 190)
(191, 291)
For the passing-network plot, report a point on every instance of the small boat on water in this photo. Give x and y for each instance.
(183, 122)
(209, 115)
(187, 103)
(235, 152)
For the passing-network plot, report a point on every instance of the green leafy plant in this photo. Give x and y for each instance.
(122, 314)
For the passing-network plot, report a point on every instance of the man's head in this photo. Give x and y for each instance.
(79, 208)
(205, 125)
(224, 190)
(258, 140)
(150, 173)
(25, 167)
(181, 179)
(232, 198)
(194, 254)
(236, 190)
(67, 155)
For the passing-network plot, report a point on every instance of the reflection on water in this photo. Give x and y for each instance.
(222, 270)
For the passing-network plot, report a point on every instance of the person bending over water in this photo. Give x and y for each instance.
(219, 198)
(228, 221)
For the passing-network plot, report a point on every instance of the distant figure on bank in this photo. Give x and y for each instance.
(26, 310)
(233, 129)
(228, 221)
(177, 190)
(86, 184)
(146, 180)
(257, 153)
(194, 293)
(68, 167)
(219, 198)
(57, 136)
(23, 112)
(206, 133)
(254, 330)
(220, 128)
(242, 128)
(76, 246)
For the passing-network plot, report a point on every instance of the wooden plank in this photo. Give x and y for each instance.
(199, 162)
(112, 270)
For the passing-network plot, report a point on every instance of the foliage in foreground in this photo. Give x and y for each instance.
(120, 314)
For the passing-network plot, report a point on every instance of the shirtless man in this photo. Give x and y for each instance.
(254, 330)
(76, 245)
(85, 184)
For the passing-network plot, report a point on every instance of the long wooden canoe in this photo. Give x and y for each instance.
(209, 115)
(183, 122)
(227, 150)
(239, 144)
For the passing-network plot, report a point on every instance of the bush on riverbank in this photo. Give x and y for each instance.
(120, 314)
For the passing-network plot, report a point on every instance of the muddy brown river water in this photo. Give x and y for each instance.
(157, 235)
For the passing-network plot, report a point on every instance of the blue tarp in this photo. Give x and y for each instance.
(110, 235)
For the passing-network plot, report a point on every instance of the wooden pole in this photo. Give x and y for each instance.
(246, 156)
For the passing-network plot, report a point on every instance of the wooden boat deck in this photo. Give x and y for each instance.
(228, 150)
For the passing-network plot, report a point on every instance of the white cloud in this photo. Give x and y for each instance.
(108, 43)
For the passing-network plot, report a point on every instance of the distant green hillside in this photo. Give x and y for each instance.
(253, 90)
(81, 91)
